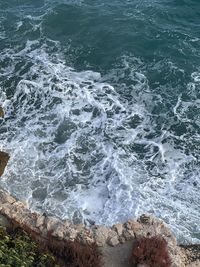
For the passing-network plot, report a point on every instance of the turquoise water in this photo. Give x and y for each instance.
(102, 103)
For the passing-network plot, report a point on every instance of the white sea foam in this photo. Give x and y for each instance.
(83, 150)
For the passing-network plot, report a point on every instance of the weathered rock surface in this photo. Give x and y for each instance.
(101, 234)
(191, 255)
(4, 157)
(115, 242)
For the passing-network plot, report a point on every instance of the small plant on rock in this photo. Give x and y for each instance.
(151, 252)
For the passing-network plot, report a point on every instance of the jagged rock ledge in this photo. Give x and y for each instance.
(115, 242)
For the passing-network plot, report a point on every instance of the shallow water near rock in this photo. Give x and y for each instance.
(102, 109)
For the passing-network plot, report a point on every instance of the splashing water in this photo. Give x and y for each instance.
(100, 147)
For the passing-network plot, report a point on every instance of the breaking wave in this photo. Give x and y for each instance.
(83, 150)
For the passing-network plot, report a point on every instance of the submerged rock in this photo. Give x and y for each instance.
(4, 157)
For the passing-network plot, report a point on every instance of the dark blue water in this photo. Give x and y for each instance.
(102, 103)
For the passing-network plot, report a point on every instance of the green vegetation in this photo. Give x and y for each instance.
(18, 250)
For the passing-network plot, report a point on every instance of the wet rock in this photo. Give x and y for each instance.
(4, 157)
(1, 112)
(146, 219)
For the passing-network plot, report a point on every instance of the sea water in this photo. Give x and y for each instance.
(102, 109)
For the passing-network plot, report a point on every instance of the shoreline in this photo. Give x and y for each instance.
(115, 242)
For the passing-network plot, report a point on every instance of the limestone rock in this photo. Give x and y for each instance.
(101, 234)
(122, 240)
(6, 198)
(59, 232)
(79, 227)
(118, 228)
(71, 234)
(128, 235)
(85, 236)
(194, 264)
(66, 224)
(191, 255)
(4, 157)
(113, 241)
(51, 223)
(28, 220)
(40, 221)
(113, 238)
(133, 225)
